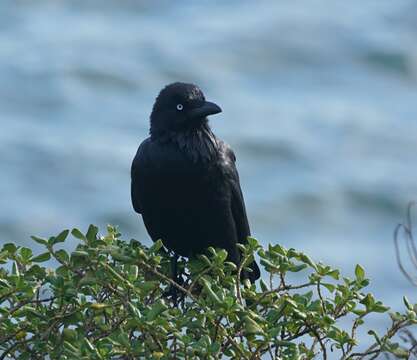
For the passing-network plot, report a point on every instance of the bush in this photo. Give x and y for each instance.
(108, 300)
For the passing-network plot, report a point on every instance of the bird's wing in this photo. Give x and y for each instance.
(237, 202)
(136, 174)
(239, 210)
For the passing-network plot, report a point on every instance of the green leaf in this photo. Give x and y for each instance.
(329, 320)
(252, 242)
(380, 308)
(120, 257)
(401, 353)
(212, 251)
(133, 271)
(368, 301)
(90, 346)
(396, 316)
(74, 351)
(99, 306)
(134, 311)
(157, 245)
(334, 274)
(278, 249)
(88, 279)
(230, 266)
(241, 247)
(251, 327)
(62, 256)
(299, 314)
(40, 240)
(407, 303)
(297, 268)
(264, 286)
(79, 254)
(158, 308)
(15, 269)
(359, 272)
(78, 234)
(69, 335)
(36, 271)
(270, 267)
(205, 259)
(359, 312)
(92, 233)
(148, 286)
(215, 347)
(222, 255)
(306, 259)
(10, 248)
(290, 302)
(329, 287)
(59, 238)
(411, 315)
(209, 290)
(26, 253)
(42, 257)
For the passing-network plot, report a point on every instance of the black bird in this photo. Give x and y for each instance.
(184, 179)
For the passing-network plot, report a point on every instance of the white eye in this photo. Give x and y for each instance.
(180, 107)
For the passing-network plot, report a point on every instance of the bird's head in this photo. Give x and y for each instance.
(180, 107)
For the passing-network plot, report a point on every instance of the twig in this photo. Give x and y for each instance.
(319, 339)
(321, 297)
(283, 288)
(187, 292)
(411, 247)
(238, 275)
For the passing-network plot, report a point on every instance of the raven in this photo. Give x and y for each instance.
(184, 181)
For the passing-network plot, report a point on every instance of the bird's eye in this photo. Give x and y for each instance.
(180, 107)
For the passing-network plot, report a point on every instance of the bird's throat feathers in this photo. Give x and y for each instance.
(198, 144)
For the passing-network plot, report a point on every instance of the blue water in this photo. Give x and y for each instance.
(319, 102)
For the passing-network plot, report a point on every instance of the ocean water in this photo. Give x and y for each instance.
(319, 103)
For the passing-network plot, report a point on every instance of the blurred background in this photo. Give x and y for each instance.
(319, 102)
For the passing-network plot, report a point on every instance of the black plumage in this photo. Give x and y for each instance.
(184, 180)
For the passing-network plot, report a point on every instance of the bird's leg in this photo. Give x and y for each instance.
(174, 267)
(173, 291)
(174, 275)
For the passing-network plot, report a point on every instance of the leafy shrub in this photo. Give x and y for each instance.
(108, 300)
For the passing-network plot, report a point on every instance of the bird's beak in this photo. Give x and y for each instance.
(208, 108)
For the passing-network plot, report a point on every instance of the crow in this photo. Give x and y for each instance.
(184, 180)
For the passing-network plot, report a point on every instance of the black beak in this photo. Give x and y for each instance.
(208, 108)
